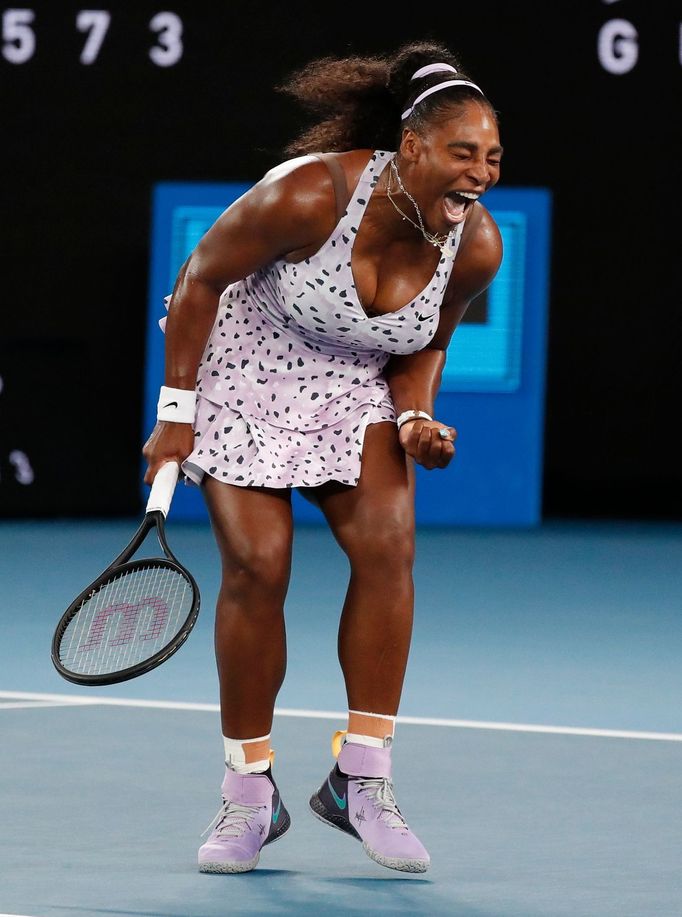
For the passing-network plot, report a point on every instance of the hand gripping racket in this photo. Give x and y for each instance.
(137, 613)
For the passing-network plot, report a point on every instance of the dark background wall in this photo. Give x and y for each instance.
(83, 144)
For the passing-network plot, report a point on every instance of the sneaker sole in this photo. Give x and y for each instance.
(396, 862)
(320, 812)
(230, 867)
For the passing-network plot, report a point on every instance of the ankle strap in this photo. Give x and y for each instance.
(364, 760)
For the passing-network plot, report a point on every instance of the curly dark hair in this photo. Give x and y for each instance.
(359, 100)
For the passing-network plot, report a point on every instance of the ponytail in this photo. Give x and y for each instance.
(358, 102)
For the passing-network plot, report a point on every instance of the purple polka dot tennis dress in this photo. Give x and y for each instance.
(292, 372)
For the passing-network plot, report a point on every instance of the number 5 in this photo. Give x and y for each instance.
(19, 42)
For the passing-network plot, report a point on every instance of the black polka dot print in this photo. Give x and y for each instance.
(292, 372)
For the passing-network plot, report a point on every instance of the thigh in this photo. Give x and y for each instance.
(253, 525)
(378, 513)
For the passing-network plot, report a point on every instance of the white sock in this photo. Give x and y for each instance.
(235, 756)
(373, 741)
(364, 740)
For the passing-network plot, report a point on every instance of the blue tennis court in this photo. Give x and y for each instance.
(538, 754)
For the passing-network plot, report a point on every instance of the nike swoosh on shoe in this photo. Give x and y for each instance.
(341, 801)
(275, 814)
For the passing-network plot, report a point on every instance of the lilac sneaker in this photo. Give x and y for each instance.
(252, 815)
(357, 798)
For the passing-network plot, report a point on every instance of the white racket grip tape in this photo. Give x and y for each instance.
(163, 488)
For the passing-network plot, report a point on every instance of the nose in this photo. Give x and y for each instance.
(479, 172)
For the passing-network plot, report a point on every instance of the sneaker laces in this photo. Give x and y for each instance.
(380, 792)
(232, 819)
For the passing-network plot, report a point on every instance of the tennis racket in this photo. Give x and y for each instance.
(137, 613)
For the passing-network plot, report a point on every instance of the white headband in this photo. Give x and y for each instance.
(431, 68)
(437, 88)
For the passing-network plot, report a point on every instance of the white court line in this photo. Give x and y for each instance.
(24, 705)
(73, 700)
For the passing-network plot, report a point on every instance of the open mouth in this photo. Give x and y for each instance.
(456, 204)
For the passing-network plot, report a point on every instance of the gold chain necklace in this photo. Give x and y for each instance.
(440, 242)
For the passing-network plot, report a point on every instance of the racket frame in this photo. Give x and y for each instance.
(154, 518)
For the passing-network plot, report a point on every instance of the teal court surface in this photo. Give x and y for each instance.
(538, 754)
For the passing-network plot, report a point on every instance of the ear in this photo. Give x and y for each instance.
(410, 145)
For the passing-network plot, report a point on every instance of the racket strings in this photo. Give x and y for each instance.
(126, 620)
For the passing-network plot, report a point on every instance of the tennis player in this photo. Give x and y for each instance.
(305, 342)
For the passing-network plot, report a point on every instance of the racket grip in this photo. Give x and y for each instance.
(163, 488)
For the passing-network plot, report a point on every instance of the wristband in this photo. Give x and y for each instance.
(176, 404)
(412, 415)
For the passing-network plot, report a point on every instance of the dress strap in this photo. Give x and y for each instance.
(456, 239)
(362, 191)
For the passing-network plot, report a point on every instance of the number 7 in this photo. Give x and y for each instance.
(97, 21)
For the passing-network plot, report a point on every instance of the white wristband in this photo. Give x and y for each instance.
(176, 404)
(412, 415)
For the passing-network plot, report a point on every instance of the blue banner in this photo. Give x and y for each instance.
(493, 385)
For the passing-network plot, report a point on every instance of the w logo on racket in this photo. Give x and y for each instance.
(127, 624)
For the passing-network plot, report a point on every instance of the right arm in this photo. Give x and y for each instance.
(290, 208)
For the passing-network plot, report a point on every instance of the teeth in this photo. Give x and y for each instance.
(469, 195)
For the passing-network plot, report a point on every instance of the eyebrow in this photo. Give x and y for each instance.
(473, 147)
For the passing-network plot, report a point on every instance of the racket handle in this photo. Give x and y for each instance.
(163, 488)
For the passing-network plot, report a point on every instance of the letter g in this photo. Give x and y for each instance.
(617, 46)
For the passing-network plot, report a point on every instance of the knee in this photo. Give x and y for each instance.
(385, 550)
(257, 567)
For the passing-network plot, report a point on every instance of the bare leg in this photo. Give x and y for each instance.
(374, 525)
(253, 529)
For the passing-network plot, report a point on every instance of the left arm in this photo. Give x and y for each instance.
(414, 379)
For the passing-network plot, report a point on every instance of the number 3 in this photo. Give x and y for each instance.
(169, 49)
(19, 42)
